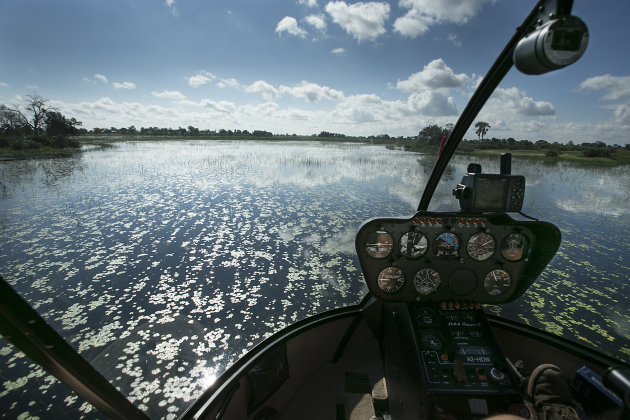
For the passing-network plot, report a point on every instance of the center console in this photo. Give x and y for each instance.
(464, 372)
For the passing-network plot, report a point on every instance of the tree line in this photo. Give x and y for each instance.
(433, 135)
(180, 132)
(33, 124)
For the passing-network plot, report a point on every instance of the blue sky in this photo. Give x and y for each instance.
(303, 66)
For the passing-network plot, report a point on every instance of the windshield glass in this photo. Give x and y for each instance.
(162, 254)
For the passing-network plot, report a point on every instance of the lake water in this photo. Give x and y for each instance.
(162, 262)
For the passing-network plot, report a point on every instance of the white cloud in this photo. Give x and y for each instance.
(515, 100)
(453, 38)
(622, 114)
(317, 21)
(412, 24)
(363, 114)
(312, 92)
(290, 25)
(220, 106)
(200, 79)
(124, 85)
(361, 20)
(169, 94)
(456, 11)
(339, 51)
(433, 104)
(615, 87)
(263, 88)
(101, 78)
(4, 84)
(232, 82)
(435, 75)
(424, 13)
(310, 3)
(173, 7)
(107, 113)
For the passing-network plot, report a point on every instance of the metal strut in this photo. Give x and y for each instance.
(497, 72)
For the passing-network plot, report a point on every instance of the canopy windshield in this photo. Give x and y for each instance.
(163, 260)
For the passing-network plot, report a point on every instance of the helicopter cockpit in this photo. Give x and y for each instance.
(444, 266)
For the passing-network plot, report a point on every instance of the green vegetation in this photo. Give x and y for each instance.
(40, 130)
(35, 129)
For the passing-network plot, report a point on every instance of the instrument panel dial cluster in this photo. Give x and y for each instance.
(438, 257)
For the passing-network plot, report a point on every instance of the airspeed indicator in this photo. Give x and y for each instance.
(480, 246)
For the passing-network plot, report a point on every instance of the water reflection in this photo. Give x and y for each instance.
(162, 262)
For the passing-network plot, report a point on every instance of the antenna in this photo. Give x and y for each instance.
(505, 164)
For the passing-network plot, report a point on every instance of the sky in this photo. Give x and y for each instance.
(306, 66)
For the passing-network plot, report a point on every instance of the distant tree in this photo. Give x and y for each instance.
(432, 134)
(598, 152)
(11, 121)
(35, 123)
(482, 128)
(525, 144)
(540, 144)
(59, 126)
(28, 120)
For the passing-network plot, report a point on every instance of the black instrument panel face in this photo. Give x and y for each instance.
(451, 257)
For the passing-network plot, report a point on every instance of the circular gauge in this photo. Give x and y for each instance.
(480, 246)
(391, 280)
(379, 244)
(426, 318)
(427, 281)
(432, 341)
(447, 245)
(514, 247)
(413, 245)
(497, 282)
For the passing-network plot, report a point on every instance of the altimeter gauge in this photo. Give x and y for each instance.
(497, 282)
(426, 281)
(480, 246)
(413, 245)
(514, 247)
(379, 244)
(432, 341)
(391, 280)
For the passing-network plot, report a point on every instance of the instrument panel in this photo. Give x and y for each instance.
(454, 258)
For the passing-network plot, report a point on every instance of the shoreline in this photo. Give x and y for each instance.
(620, 157)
